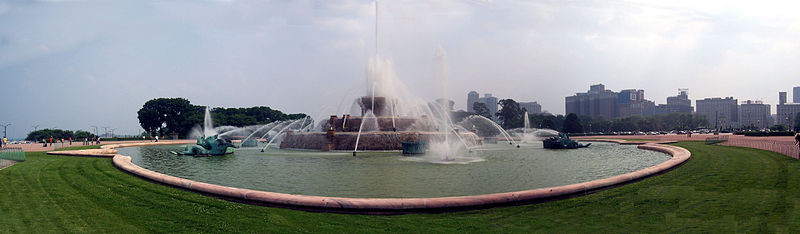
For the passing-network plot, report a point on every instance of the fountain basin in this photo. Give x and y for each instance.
(489, 169)
(402, 205)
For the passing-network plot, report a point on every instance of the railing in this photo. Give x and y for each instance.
(14, 154)
(786, 148)
(11, 156)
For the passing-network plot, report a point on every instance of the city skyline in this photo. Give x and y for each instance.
(96, 63)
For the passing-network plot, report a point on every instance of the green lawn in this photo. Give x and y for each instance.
(721, 189)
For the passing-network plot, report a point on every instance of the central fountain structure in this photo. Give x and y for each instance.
(376, 130)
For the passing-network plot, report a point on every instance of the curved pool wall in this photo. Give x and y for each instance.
(406, 205)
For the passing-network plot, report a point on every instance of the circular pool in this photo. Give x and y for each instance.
(494, 168)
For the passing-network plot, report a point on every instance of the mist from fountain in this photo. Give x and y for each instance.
(288, 126)
(208, 125)
(526, 125)
(477, 119)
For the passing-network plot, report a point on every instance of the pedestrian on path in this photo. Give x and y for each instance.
(797, 142)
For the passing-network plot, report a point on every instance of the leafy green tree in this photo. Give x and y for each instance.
(458, 116)
(511, 115)
(38, 135)
(482, 110)
(778, 128)
(546, 121)
(572, 124)
(167, 115)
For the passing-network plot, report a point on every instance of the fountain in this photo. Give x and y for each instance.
(375, 130)
(209, 143)
(562, 141)
(313, 158)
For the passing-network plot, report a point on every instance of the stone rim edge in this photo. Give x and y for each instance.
(404, 205)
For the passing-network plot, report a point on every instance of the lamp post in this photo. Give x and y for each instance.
(5, 127)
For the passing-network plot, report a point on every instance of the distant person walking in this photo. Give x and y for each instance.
(797, 142)
(156, 138)
(51, 140)
(70, 140)
(4, 142)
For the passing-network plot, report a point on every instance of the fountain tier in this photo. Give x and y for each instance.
(382, 131)
(373, 141)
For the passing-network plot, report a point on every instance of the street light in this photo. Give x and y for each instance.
(5, 127)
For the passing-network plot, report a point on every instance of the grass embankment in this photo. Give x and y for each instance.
(721, 189)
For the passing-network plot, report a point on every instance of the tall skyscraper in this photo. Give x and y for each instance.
(601, 102)
(796, 95)
(786, 111)
(722, 113)
(676, 104)
(472, 98)
(491, 103)
(754, 114)
(596, 102)
(781, 98)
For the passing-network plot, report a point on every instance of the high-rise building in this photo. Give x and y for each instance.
(781, 98)
(754, 114)
(472, 98)
(786, 111)
(491, 103)
(722, 113)
(531, 107)
(796, 95)
(601, 102)
(631, 102)
(676, 104)
(596, 102)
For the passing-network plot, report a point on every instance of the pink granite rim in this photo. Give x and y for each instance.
(405, 205)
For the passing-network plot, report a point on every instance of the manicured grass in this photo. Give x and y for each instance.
(721, 189)
(82, 147)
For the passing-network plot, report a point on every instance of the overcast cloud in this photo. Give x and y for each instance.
(73, 64)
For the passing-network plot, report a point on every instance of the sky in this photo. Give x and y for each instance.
(73, 64)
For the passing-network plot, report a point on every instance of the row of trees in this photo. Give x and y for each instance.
(177, 116)
(511, 115)
(38, 135)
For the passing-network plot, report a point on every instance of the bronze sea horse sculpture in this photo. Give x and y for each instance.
(212, 145)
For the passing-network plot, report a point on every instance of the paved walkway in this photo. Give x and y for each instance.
(784, 144)
(38, 147)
